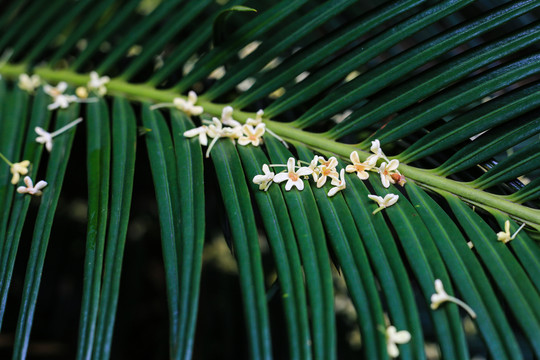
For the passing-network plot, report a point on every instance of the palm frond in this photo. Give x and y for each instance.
(449, 88)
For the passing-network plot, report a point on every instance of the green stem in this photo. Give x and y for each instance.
(289, 133)
(5, 159)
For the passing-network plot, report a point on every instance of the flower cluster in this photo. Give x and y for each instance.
(227, 127)
(388, 169)
(60, 99)
(323, 170)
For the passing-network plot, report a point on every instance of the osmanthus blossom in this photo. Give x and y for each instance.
(97, 83)
(200, 131)
(61, 100)
(264, 181)
(29, 83)
(314, 166)
(339, 184)
(388, 200)
(257, 120)
(252, 135)
(387, 171)
(17, 169)
(30, 188)
(293, 177)
(393, 338)
(47, 138)
(377, 152)
(327, 169)
(187, 106)
(361, 168)
(441, 296)
(505, 236)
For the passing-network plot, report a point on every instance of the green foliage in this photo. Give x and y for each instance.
(450, 88)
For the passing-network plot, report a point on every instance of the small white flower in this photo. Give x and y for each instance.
(54, 91)
(441, 296)
(226, 117)
(216, 131)
(47, 138)
(200, 131)
(264, 181)
(393, 338)
(504, 236)
(61, 100)
(257, 120)
(97, 83)
(30, 188)
(314, 166)
(327, 169)
(18, 169)
(386, 171)
(294, 178)
(29, 83)
(252, 135)
(187, 106)
(377, 152)
(338, 184)
(360, 167)
(388, 200)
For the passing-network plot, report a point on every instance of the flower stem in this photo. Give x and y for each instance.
(6, 160)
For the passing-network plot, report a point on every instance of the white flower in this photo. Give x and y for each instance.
(338, 184)
(54, 91)
(216, 131)
(47, 138)
(360, 167)
(18, 169)
(200, 131)
(314, 166)
(504, 236)
(226, 117)
(187, 106)
(377, 152)
(61, 100)
(257, 120)
(386, 171)
(388, 200)
(441, 296)
(30, 188)
(264, 181)
(294, 178)
(327, 169)
(394, 337)
(29, 83)
(97, 83)
(252, 135)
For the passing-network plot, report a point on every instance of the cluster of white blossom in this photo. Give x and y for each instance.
(226, 127)
(322, 170)
(60, 99)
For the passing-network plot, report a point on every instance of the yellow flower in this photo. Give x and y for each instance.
(505, 236)
(18, 169)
